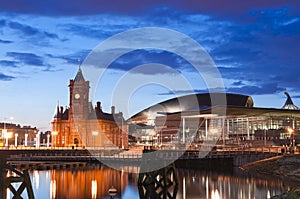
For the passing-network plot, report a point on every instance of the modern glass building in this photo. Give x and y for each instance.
(221, 117)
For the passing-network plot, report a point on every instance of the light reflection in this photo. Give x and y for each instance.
(94, 189)
(52, 189)
(268, 194)
(7, 193)
(36, 179)
(215, 194)
(207, 185)
(184, 188)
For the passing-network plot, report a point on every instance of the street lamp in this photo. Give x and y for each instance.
(4, 133)
(94, 134)
(48, 140)
(37, 140)
(7, 135)
(16, 139)
(26, 138)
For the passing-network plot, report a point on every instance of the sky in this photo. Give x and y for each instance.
(254, 45)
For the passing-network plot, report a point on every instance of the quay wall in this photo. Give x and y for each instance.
(188, 159)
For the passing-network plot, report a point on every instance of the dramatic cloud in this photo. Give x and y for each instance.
(27, 58)
(140, 57)
(230, 8)
(5, 41)
(269, 88)
(13, 64)
(30, 31)
(4, 77)
(72, 58)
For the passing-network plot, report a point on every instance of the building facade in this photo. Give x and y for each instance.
(235, 122)
(17, 134)
(82, 125)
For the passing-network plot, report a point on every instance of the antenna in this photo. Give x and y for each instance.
(78, 62)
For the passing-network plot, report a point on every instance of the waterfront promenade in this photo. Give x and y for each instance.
(43, 158)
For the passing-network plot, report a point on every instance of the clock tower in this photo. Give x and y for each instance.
(82, 125)
(79, 97)
(79, 107)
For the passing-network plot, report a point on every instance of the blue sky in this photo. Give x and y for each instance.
(254, 44)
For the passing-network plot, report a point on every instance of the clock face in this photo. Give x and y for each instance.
(77, 96)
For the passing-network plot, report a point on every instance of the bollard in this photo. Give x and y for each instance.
(112, 192)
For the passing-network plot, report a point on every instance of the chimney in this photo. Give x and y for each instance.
(113, 108)
(98, 106)
(61, 110)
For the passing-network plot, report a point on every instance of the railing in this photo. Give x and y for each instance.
(84, 155)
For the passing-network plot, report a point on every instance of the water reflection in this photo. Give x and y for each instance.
(95, 182)
(210, 185)
(36, 179)
(215, 194)
(52, 189)
(94, 189)
(84, 183)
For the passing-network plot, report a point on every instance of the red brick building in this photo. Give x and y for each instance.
(83, 125)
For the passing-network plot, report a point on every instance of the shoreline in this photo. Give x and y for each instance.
(286, 167)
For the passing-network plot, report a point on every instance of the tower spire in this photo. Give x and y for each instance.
(289, 103)
(79, 63)
(79, 75)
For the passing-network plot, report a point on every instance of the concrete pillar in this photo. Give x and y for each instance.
(206, 129)
(183, 130)
(16, 139)
(248, 130)
(223, 130)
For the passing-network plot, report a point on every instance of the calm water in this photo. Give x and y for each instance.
(94, 182)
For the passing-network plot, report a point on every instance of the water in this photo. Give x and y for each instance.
(94, 182)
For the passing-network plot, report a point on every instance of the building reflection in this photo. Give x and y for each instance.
(209, 185)
(94, 183)
(87, 183)
(94, 189)
(52, 189)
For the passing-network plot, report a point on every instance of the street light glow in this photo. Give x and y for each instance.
(94, 133)
(290, 130)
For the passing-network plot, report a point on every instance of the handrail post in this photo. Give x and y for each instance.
(2, 176)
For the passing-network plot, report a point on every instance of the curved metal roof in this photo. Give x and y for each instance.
(194, 102)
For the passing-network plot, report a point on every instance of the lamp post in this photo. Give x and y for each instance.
(16, 139)
(7, 135)
(48, 140)
(37, 140)
(94, 134)
(4, 131)
(26, 139)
